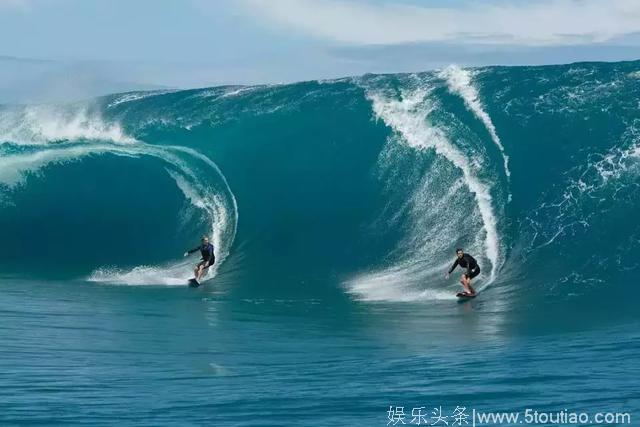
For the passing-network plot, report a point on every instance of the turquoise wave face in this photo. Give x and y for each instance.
(368, 183)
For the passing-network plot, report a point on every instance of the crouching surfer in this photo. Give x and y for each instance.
(469, 263)
(208, 258)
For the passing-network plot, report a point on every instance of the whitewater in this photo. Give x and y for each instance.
(49, 135)
(335, 208)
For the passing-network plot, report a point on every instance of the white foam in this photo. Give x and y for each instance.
(220, 208)
(405, 280)
(136, 96)
(173, 275)
(239, 91)
(618, 162)
(379, 287)
(460, 82)
(399, 283)
(408, 119)
(43, 124)
(604, 180)
(229, 92)
(189, 169)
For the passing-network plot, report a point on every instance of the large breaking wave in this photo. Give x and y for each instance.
(368, 184)
(36, 138)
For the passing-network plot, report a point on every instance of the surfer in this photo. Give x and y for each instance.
(208, 258)
(472, 270)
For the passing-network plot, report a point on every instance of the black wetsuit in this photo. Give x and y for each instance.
(469, 263)
(207, 253)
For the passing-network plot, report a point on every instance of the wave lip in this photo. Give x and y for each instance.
(460, 82)
(432, 173)
(136, 96)
(407, 117)
(199, 179)
(33, 137)
(451, 178)
(43, 124)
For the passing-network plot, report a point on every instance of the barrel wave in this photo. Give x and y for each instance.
(360, 186)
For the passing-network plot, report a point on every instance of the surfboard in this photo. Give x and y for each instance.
(194, 283)
(465, 297)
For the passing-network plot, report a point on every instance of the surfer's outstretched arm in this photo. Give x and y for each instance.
(190, 251)
(453, 267)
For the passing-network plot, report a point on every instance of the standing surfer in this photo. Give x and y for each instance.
(208, 258)
(469, 263)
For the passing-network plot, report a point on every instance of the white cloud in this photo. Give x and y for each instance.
(531, 23)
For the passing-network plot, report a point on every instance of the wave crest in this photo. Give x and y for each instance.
(43, 124)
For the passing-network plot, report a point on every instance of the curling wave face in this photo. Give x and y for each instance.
(49, 137)
(368, 184)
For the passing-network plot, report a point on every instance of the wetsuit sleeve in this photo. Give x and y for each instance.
(453, 267)
(190, 251)
(211, 257)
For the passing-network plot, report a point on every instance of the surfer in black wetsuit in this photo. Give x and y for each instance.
(469, 263)
(208, 258)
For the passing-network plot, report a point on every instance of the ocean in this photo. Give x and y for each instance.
(335, 208)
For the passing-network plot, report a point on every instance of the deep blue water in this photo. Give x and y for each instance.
(335, 208)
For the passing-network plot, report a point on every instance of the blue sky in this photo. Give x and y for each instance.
(200, 43)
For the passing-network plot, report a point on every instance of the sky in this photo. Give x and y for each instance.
(195, 43)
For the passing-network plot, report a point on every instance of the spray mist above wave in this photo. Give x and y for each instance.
(43, 124)
(451, 180)
(198, 178)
